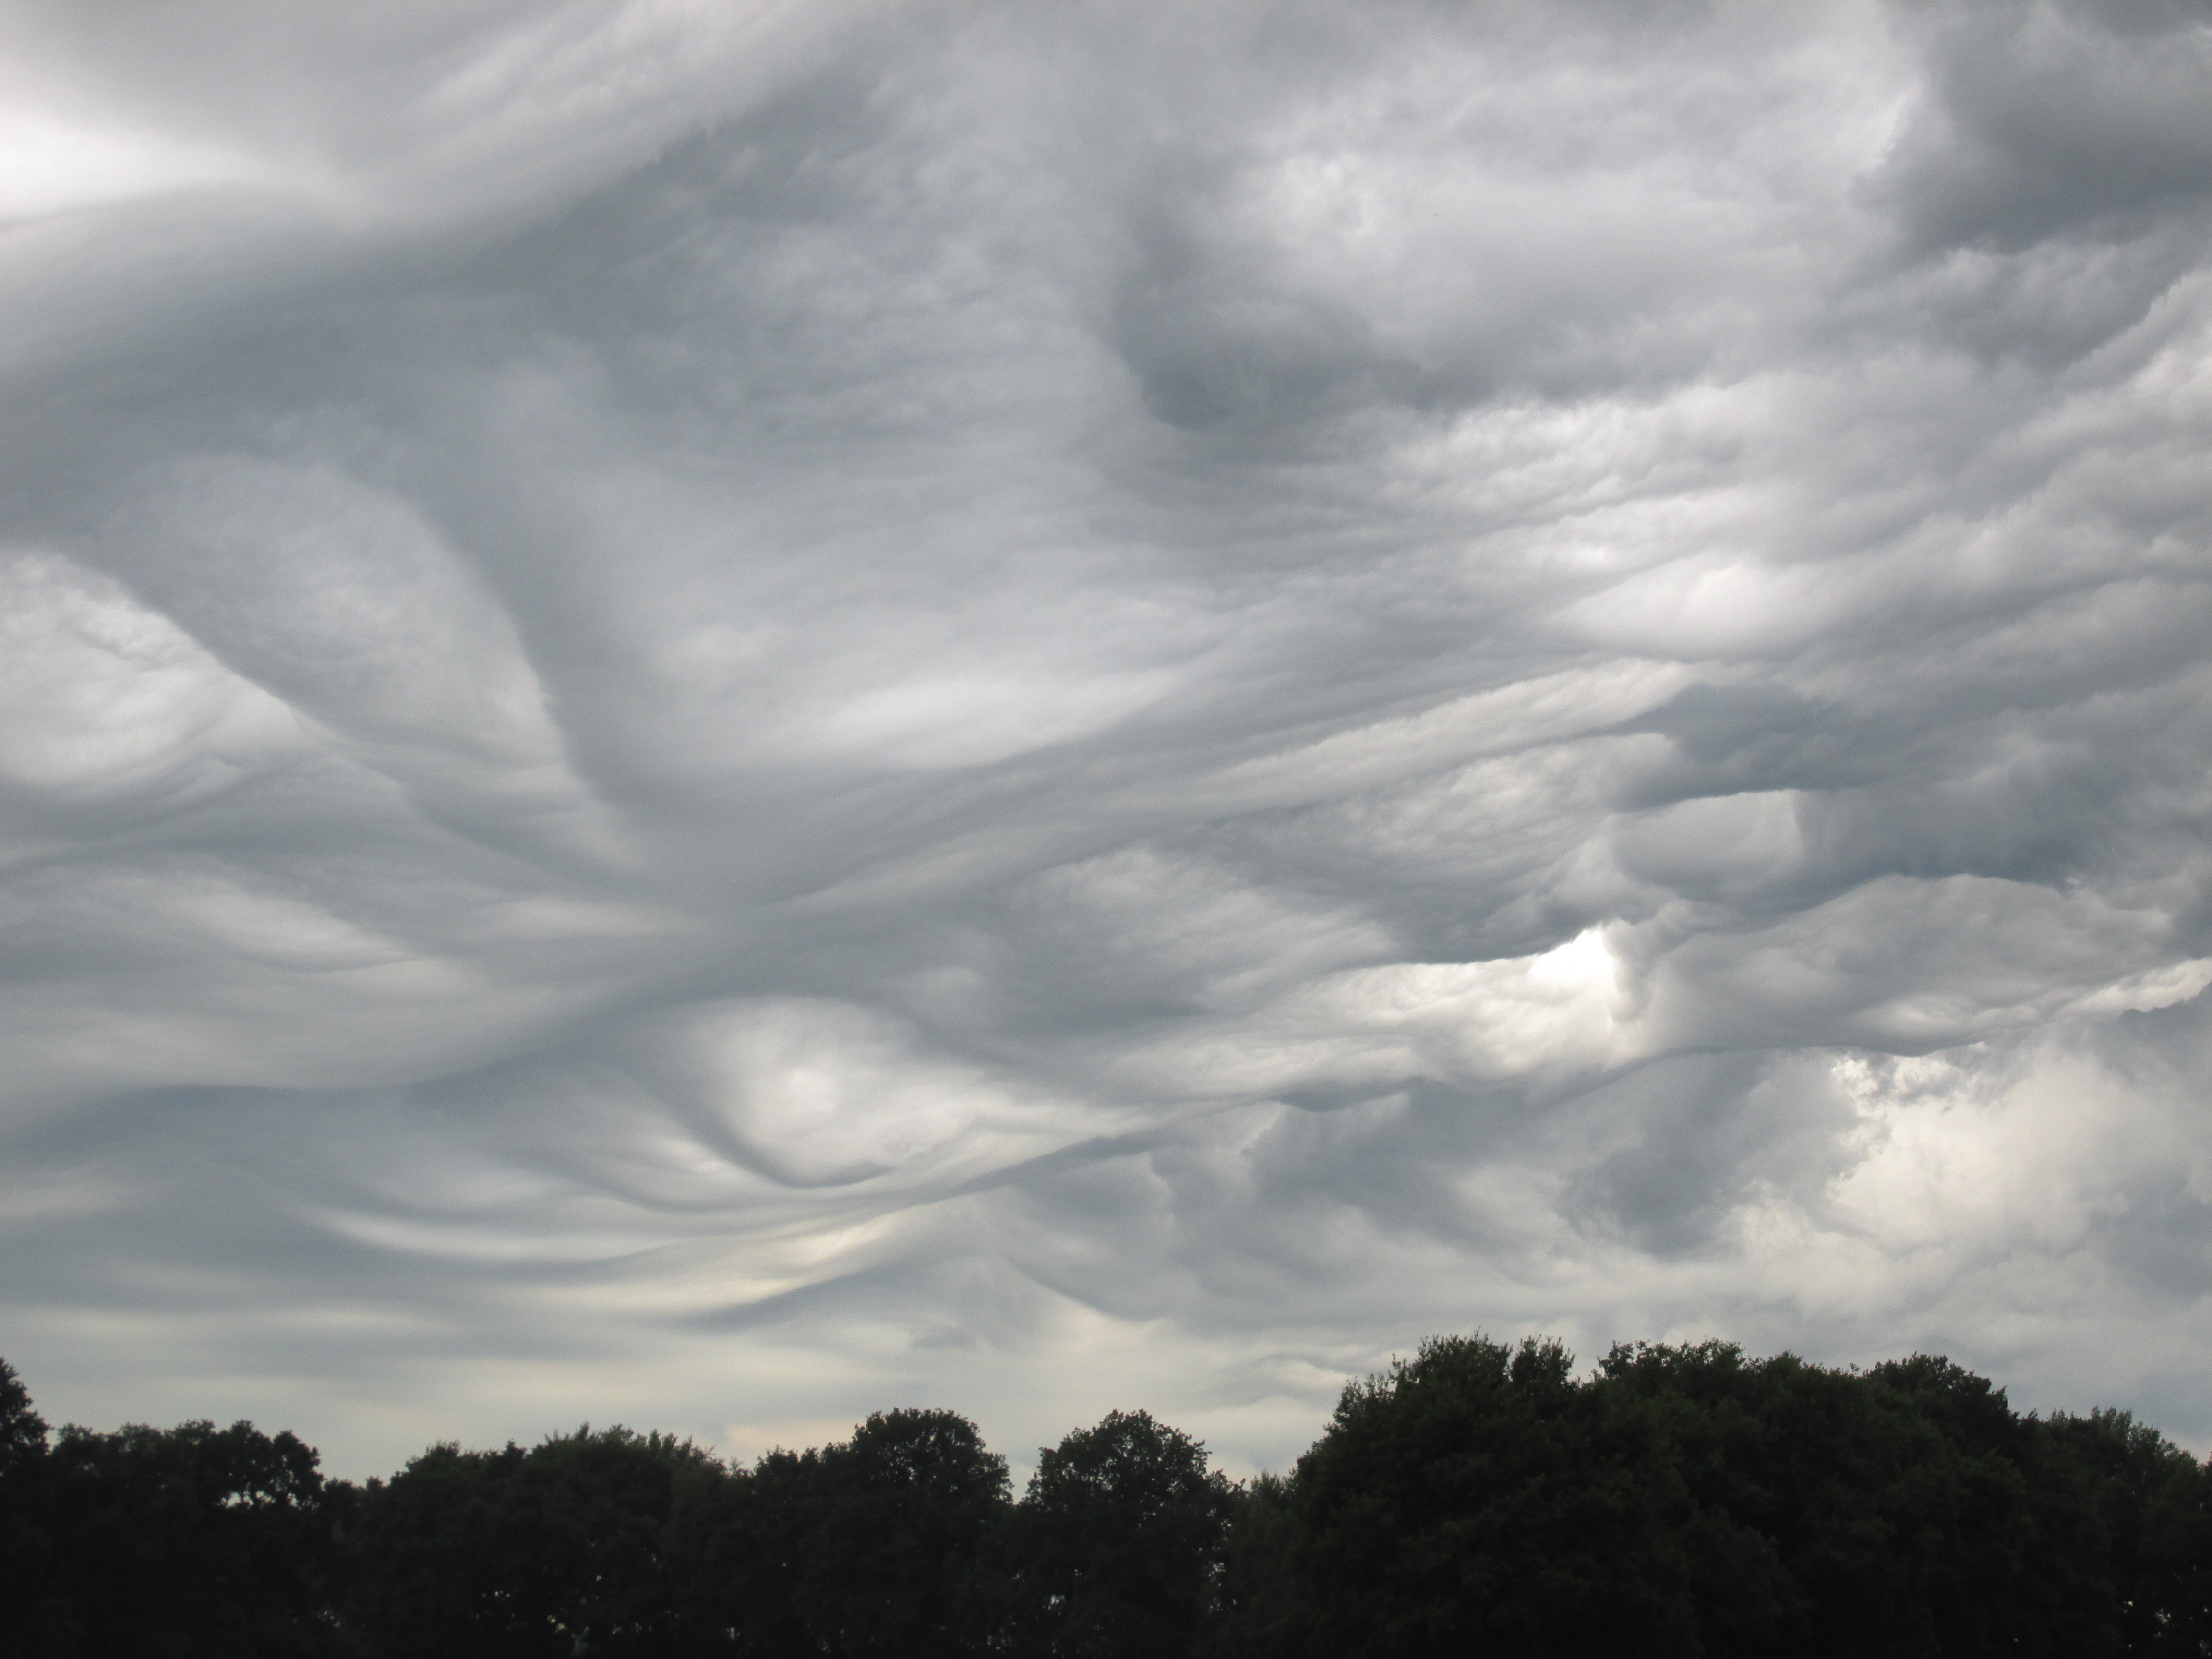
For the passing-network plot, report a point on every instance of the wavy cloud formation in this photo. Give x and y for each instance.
(722, 717)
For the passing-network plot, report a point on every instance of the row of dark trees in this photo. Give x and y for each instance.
(1478, 1499)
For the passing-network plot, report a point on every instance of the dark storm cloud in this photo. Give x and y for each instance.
(717, 717)
(2079, 122)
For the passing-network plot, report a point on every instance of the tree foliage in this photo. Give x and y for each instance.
(1479, 1496)
(893, 1556)
(1122, 1536)
(512, 1554)
(177, 1542)
(1687, 1500)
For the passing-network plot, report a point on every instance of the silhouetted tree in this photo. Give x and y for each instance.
(1474, 1498)
(1682, 1500)
(514, 1554)
(185, 1542)
(1121, 1543)
(1687, 1500)
(2133, 1513)
(1833, 1513)
(741, 1551)
(894, 1556)
(1264, 1612)
(26, 1606)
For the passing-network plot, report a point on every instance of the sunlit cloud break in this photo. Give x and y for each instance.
(718, 717)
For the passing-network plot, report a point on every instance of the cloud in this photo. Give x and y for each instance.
(722, 717)
(2054, 122)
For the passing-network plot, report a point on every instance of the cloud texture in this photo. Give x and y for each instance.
(721, 717)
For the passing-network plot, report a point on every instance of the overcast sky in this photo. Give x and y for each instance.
(718, 717)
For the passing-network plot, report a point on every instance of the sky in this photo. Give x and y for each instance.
(718, 715)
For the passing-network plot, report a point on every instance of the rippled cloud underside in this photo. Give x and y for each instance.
(718, 717)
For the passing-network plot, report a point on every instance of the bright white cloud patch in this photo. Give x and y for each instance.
(719, 717)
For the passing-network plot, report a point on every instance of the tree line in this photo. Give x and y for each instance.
(1677, 1500)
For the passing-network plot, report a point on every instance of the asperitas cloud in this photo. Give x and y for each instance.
(720, 716)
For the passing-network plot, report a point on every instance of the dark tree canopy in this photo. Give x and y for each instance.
(522, 1553)
(1676, 1500)
(1122, 1537)
(24, 1606)
(901, 1518)
(22, 1431)
(180, 1543)
(1687, 1500)
(1475, 1496)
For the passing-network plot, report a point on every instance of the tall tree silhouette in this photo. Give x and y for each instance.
(1123, 1537)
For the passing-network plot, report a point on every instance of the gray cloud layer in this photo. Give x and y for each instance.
(721, 718)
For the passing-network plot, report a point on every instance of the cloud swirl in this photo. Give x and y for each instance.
(720, 717)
